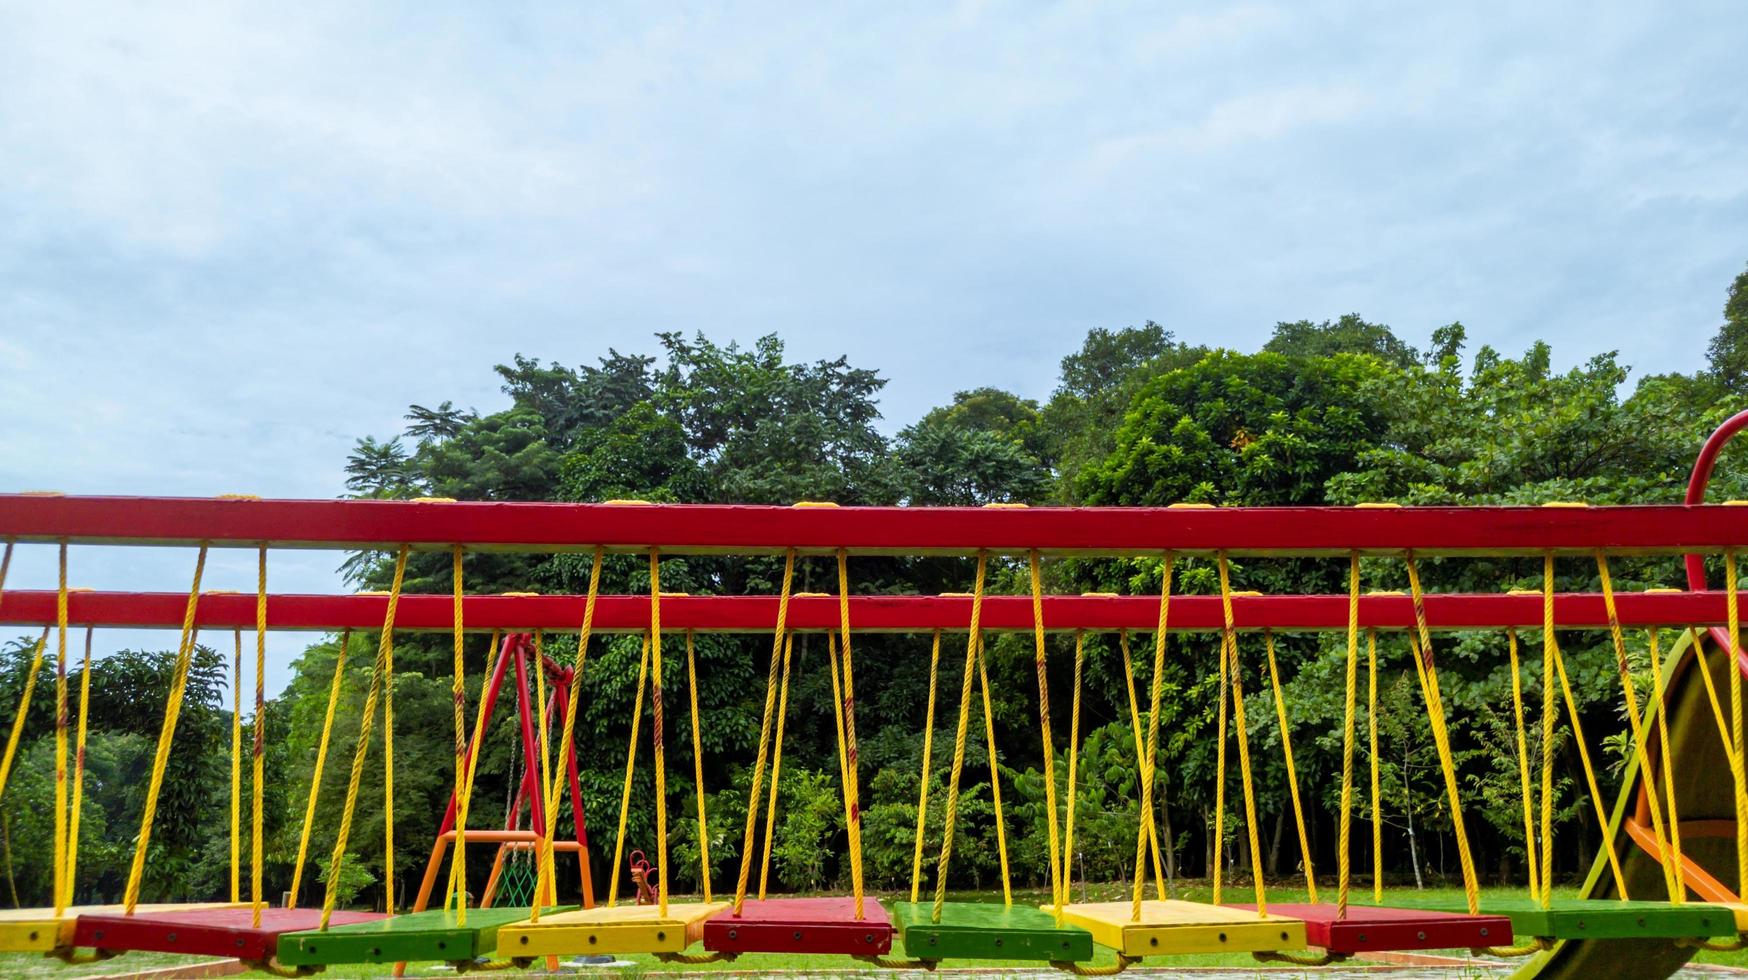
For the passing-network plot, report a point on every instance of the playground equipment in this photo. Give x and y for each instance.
(1680, 719)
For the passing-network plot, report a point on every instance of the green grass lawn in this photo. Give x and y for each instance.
(33, 966)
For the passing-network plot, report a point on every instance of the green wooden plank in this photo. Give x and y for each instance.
(976, 930)
(415, 937)
(1587, 919)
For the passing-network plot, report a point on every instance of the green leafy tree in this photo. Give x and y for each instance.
(1348, 335)
(1728, 352)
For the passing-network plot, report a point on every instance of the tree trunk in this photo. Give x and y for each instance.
(1408, 808)
(1166, 838)
(1208, 843)
(1240, 852)
(1274, 861)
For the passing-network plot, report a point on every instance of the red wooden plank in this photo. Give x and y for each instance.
(1368, 929)
(226, 932)
(801, 925)
(745, 529)
(908, 614)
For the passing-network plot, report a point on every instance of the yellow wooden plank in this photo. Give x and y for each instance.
(1738, 910)
(41, 931)
(1173, 927)
(621, 929)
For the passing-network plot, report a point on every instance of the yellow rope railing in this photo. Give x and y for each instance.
(166, 733)
(852, 778)
(922, 803)
(1156, 689)
(777, 644)
(1292, 770)
(1159, 881)
(1344, 856)
(951, 817)
(567, 741)
(1057, 889)
(309, 813)
(776, 769)
(1245, 773)
(380, 676)
(1426, 670)
(630, 768)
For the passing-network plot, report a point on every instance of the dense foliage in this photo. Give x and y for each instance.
(1337, 412)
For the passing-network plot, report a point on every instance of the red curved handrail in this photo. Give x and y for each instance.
(1696, 494)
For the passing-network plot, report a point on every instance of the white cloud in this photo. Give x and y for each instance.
(234, 238)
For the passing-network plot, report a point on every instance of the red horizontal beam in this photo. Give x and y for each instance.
(886, 614)
(744, 529)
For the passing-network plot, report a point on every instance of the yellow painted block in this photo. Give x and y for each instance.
(621, 929)
(1174, 927)
(41, 931)
(1737, 909)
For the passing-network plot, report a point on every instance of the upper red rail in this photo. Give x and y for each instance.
(890, 614)
(746, 529)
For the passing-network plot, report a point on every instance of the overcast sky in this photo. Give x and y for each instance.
(233, 239)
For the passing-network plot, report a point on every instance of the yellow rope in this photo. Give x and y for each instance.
(1680, 896)
(1344, 857)
(1292, 770)
(1073, 766)
(1083, 970)
(951, 818)
(547, 773)
(1057, 889)
(1324, 958)
(1552, 644)
(388, 773)
(1705, 675)
(1377, 798)
(166, 733)
(1427, 671)
(698, 767)
(79, 767)
(630, 767)
(256, 859)
(1157, 687)
(60, 876)
(1523, 766)
(1220, 775)
(776, 768)
(1141, 761)
(1590, 777)
(777, 645)
(457, 889)
(1736, 772)
(29, 682)
(1001, 834)
(831, 648)
(379, 675)
(23, 711)
(1549, 718)
(922, 803)
(458, 695)
(696, 959)
(853, 779)
(566, 743)
(1243, 740)
(309, 813)
(237, 768)
(655, 692)
(1632, 702)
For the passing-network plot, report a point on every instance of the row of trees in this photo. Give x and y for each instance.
(1336, 412)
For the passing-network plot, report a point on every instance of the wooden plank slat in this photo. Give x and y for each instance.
(974, 930)
(801, 925)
